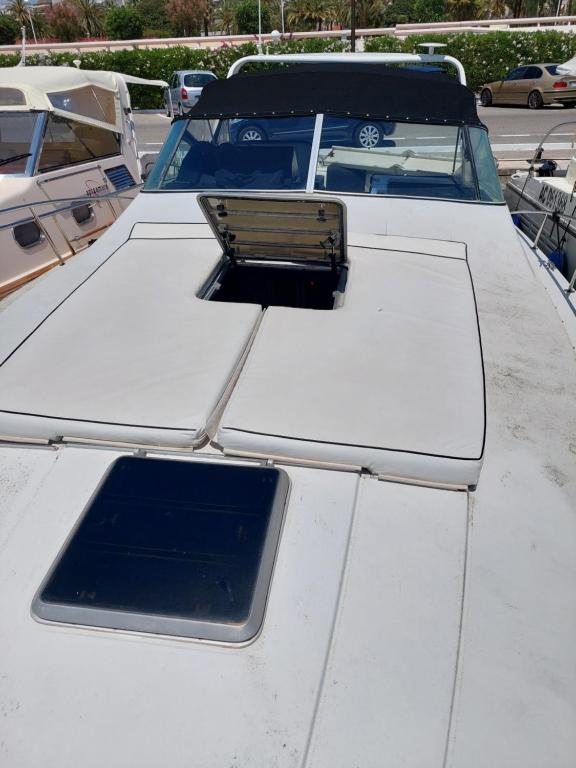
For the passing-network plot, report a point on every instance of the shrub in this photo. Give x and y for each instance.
(152, 32)
(246, 16)
(63, 22)
(489, 56)
(123, 23)
(9, 29)
(485, 57)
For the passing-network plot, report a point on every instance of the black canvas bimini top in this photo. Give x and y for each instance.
(378, 92)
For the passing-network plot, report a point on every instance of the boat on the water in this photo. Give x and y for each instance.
(288, 456)
(69, 164)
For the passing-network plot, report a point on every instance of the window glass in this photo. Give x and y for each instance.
(552, 69)
(173, 547)
(263, 153)
(198, 79)
(67, 142)
(516, 74)
(16, 133)
(485, 165)
(532, 73)
(90, 101)
(10, 97)
(382, 158)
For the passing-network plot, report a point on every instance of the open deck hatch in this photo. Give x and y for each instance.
(278, 251)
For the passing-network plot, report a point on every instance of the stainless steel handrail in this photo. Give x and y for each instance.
(108, 197)
(534, 245)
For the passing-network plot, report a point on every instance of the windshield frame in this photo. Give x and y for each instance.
(35, 143)
(168, 152)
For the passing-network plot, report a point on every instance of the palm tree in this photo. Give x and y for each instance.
(24, 15)
(91, 16)
(368, 13)
(464, 10)
(224, 16)
(19, 9)
(308, 13)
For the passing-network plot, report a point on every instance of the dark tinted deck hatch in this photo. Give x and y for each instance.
(171, 547)
(277, 251)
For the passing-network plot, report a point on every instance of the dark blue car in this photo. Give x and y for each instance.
(360, 133)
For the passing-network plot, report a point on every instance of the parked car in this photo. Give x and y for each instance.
(361, 133)
(185, 89)
(532, 85)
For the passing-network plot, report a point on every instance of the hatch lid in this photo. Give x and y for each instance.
(283, 228)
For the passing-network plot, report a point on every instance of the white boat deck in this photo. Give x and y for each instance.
(346, 386)
(466, 653)
(126, 349)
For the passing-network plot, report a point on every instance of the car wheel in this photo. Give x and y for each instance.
(368, 135)
(486, 98)
(251, 133)
(535, 100)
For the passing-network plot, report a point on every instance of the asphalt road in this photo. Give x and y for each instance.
(514, 131)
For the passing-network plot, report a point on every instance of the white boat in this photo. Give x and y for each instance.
(288, 456)
(543, 204)
(66, 139)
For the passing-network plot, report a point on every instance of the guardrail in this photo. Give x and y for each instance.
(534, 244)
(401, 31)
(71, 203)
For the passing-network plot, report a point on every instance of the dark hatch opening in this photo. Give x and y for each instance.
(171, 547)
(277, 286)
(287, 252)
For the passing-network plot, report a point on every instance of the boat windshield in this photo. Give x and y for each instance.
(355, 156)
(411, 159)
(17, 133)
(263, 154)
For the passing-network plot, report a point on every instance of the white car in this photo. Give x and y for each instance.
(185, 89)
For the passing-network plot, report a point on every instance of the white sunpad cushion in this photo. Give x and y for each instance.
(133, 355)
(392, 380)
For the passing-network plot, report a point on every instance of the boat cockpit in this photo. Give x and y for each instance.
(241, 136)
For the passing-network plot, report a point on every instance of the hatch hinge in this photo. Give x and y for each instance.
(227, 240)
(330, 244)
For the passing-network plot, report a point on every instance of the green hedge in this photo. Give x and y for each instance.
(485, 56)
(159, 63)
(488, 56)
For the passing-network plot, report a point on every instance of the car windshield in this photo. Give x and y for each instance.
(271, 153)
(16, 133)
(370, 157)
(197, 79)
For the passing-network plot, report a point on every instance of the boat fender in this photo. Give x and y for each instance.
(558, 258)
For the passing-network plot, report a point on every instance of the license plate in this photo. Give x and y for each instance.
(572, 83)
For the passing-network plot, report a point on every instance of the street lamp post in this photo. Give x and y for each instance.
(31, 22)
(352, 25)
(259, 26)
(282, 14)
